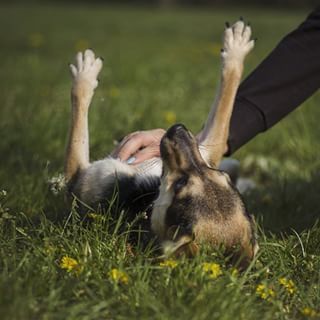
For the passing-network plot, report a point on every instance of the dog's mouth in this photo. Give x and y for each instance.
(179, 149)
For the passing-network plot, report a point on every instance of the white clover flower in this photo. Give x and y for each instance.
(57, 184)
(3, 193)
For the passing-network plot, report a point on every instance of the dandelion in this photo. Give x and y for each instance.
(119, 276)
(213, 269)
(36, 40)
(264, 292)
(288, 285)
(311, 313)
(170, 263)
(69, 264)
(170, 117)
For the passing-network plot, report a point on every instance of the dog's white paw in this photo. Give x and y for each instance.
(85, 70)
(237, 42)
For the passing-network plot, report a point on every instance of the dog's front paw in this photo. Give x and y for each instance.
(85, 71)
(237, 42)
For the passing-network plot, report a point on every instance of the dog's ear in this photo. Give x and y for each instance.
(244, 254)
(180, 242)
(255, 244)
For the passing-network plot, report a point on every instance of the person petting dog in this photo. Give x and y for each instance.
(288, 76)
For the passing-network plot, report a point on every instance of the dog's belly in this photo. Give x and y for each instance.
(149, 167)
(98, 183)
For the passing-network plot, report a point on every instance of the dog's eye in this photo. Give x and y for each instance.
(180, 183)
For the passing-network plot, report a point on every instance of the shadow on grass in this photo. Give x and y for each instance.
(282, 204)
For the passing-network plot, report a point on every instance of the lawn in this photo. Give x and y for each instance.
(160, 67)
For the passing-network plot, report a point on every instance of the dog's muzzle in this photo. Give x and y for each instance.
(179, 148)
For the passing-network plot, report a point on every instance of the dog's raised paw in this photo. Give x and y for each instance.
(86, 68)
(237, 41)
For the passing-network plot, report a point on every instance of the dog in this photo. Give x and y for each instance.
(188, 200)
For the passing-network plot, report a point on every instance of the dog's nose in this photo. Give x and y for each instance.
(172, 131)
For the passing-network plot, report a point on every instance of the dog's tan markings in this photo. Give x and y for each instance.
(213, 137)
(219, 177)
(194, 188)
(84, 75)
(167, 196)
(233, 231)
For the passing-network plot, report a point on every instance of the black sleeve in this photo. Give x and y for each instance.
(287, 77)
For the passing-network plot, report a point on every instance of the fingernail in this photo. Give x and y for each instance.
(131, 160)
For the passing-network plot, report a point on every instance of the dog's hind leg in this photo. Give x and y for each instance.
(213, 138)
(84, 74)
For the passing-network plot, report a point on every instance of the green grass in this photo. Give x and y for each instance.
(155, 62)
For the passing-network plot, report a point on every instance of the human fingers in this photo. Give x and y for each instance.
(147, 153)
(131, 145)
(122, 142)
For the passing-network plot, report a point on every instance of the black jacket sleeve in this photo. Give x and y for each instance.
(287, 77)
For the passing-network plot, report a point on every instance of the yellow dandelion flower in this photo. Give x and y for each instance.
(170, 263)
(69, 264)
(119, 276)
(36, 40)
(213, 269)
(264, 292)
(288, 285)
(114, 92)
(170, 117)
(311, 313)
(81, 45)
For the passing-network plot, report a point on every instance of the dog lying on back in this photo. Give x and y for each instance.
(189, 201)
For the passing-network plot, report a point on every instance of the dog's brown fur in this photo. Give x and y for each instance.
(198, 203)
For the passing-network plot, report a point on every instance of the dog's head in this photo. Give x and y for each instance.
(198, 204)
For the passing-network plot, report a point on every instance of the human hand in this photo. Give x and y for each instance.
(139, 146)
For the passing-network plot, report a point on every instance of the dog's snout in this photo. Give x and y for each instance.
(175, 129)
(179, 149)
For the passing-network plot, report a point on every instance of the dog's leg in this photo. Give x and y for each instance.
(213, 138)
(84, 74)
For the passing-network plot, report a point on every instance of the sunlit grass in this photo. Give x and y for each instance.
(160, 67)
